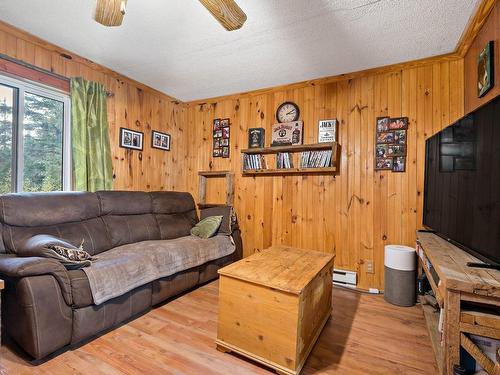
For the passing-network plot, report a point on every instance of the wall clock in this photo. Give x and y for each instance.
(287, 112)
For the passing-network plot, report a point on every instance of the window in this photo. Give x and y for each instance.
(34, 137)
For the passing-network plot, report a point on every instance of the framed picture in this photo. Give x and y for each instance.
(485, 70)
(218, 133)
(225, 132)
(225, 152)
(385, 137)
(217, 124)
(160, 140)
(131, 139)
(327, 131)
(382, 124)
(396, 150)
(400, 137)
(398, 123)
(216, 143)
(383, 163)
(224, 122)
(217, 153)
(399, 164)
(256, 137)
(224, 142)
(382, 151)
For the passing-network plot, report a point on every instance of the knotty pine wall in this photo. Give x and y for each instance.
(133, 105)
(358, 212)
(354, 214)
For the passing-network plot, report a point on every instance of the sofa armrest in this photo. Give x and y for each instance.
(17, 267)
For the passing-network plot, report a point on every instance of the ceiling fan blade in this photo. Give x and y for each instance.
(110, 12)
(227, 12)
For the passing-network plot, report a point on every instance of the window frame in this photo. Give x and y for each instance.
(22, 86)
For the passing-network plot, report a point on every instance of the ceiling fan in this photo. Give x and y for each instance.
(227, 12)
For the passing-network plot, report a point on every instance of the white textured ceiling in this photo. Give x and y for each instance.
(177, 47)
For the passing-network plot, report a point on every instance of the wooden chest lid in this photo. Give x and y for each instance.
(280, 267)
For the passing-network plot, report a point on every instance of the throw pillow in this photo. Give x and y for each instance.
(47, 246)
(207, 227)
(228, 217)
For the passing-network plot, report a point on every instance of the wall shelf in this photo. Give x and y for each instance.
(332, 169)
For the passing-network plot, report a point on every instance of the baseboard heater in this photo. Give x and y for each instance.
(344, 278)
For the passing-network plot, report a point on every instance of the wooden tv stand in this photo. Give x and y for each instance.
(468, 297)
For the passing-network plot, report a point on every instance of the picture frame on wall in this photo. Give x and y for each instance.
(384, 163)
(385, 137)
(485, 70)
(131, 139)
(160, 140)
(382, 124)
(216, 124)
(399, 164)
(398, 123)
(327, 130)
(256, 137)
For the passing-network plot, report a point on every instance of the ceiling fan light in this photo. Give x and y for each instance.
(110, 12)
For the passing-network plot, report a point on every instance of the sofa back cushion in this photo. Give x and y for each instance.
(175, 213)
(71, 216)
(128, 216)
(39, 209)
(2, 246)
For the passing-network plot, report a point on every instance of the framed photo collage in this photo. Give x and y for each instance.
(390, 144)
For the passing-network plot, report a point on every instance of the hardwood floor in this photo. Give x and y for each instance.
(366, 335)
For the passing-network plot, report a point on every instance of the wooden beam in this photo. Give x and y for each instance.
(227, 12)
(474, 26)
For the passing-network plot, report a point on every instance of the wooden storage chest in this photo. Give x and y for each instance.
(274, 304)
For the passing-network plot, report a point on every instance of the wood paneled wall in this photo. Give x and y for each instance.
(133, 105)
(354, 214)
(358, 212)
(489, 31)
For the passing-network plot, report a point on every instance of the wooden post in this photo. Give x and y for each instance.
(452, 317)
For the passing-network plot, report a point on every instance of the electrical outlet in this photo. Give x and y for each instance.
(369, 266)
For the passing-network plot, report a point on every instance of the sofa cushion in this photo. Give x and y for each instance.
(125, 202)
(124, 268)
(44, 209)
(176, 225)
(172, 202)
(125, 229)
(91, 231)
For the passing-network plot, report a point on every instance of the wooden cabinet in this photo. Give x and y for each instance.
(469, 301)
(273, 306)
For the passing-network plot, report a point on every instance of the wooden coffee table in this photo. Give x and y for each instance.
(273, 306)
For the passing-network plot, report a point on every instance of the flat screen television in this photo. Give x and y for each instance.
(462, 183)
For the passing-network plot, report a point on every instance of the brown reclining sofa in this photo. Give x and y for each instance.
(45, 306)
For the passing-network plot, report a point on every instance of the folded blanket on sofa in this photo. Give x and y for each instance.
(127, 267)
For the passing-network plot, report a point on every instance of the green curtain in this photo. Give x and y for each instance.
(92, 165)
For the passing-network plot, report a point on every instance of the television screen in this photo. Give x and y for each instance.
(462, 183)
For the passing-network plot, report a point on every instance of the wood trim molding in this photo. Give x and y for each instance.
(474, 26)
(19, 69)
